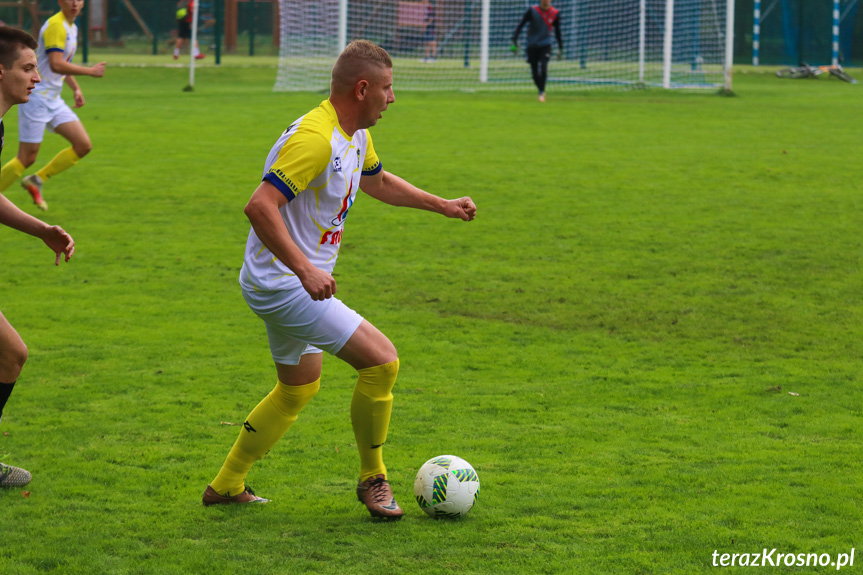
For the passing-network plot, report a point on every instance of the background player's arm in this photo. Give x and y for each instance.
(395, 191)
(558, 35)
(524, 20)
(53, 236)
(76, 90)
(263, 212)
(59, 65)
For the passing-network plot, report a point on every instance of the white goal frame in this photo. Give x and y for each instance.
(482, 77)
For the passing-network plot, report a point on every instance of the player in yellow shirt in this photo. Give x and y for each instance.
(298, 212)
(58, 40)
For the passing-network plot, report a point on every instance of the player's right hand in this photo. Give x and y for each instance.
(59, 241)
(319, 284)
(98, 70)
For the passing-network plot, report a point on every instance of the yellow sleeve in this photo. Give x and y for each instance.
(303, 157)
(372, 164)
(55, 36)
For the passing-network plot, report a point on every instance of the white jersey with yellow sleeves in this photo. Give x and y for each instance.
(56, 35)
(317, 166)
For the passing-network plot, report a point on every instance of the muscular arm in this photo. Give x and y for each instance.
(53, 236)
(263, 213)
(12, 216)
(59, 65)
(395, 191)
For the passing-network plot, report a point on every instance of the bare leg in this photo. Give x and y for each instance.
(13, 352)
(77, 136)
(27, 153)
(368, 347)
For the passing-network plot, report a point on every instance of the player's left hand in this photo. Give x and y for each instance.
(462, 208)
(79, 99)
(58, 240)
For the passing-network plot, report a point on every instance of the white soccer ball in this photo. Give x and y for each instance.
(446, 486)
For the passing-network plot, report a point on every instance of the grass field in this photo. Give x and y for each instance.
(648, 343)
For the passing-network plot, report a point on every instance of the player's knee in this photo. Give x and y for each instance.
(389, 371)
(82, 148)
(378, 381)
(390, 357)
(27, 160)
(12, 360)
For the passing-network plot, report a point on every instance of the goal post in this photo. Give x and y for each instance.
(464, 44)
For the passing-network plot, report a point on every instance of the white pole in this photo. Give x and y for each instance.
(835, 32)
(642, 25)
(483, 41)
(194, 42)
(729, 43)
(343, 25)
(756, 32)
(666, 47)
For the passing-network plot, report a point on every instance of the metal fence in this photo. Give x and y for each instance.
(790, 31)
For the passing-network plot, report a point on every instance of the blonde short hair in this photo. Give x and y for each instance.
(358, 61)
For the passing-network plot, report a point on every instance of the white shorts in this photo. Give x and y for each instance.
(39, 113)
(298, 325)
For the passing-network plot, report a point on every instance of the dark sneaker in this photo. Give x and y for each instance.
(33, 185)
(13, 476)
(377, 496)
(247, 496)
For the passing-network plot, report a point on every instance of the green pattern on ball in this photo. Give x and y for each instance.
(423, 503)
(439, 490)
(465, 475)
(444, 462)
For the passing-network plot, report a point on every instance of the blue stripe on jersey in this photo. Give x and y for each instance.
(54, 50)
(282, 186)
(374, 170)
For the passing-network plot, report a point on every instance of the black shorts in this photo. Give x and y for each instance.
(537, 53)
(184, 29)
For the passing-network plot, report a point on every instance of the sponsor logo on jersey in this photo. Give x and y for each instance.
(346, 205)
(332, 238)
(337, 164)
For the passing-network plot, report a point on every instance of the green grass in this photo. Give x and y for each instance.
(611, 343)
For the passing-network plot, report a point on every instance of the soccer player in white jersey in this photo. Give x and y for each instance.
(298, 214)
(58, 40)
(18, 78)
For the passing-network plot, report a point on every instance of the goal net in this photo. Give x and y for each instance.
(465, 44)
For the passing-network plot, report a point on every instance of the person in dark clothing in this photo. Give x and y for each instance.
(541, 20)
(19, 75)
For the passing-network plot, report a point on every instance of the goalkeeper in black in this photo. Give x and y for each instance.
(541, 20)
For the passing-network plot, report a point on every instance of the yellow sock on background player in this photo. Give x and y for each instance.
(272, 417)
(371, 407)
(64, 160)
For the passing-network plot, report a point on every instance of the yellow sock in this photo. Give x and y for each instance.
(64, 160)
(10, 172)
(371, 407)
(261, 430)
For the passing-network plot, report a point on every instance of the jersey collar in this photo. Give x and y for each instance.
(328, 107)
